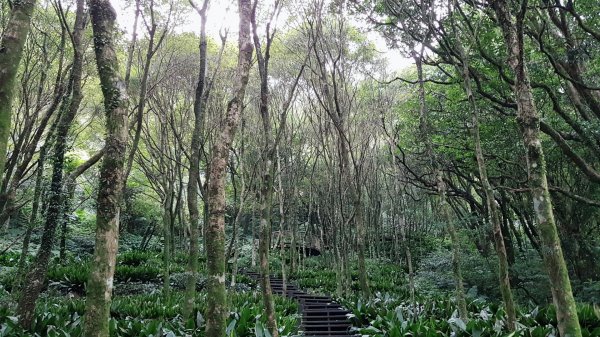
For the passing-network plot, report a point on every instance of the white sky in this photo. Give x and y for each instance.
(223, 14)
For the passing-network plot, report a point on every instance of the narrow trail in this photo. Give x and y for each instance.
(321, 316)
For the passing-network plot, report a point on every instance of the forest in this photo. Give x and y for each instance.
(318, 168)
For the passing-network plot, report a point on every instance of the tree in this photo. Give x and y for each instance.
(194, 171)
(11, 50)
(110, 190)
(215, 231)
(69, 108)
(529, 122)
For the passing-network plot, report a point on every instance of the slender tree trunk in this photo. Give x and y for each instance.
(141, 103)
(194, 174)
(360, 242)
(492, 207)
(167, 248)
(11, 49)
(268, 166)
(110, 190)
(529, 123)
(69, 193)
(441, 190)
(236, 222)
(253, 242)
(266, 202)
(37, 192)
(281, 196)
(407, 252)
(69, 107)
(215, 231)
(131, 48)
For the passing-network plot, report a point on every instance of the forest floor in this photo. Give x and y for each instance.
(141, 307)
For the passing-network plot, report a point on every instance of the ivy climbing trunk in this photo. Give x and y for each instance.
(11, 50)
(110, 189)
(216, 309)
(69, 107)
(529, 124)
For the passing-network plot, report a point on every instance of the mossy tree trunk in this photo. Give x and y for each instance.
(529, 123)
(194, 173)
(216, 309)
(268, 170)
(69, 107)
(268, 157)
(110, 190)
(492, 206)
(11, 50)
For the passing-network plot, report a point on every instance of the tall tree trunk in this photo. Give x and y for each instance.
(37, 192)
(281, 196)
(110, 190)
(238, 215)
(194, 173)
(69, 107)
(529, 123)
(268, 163)
(492, 207)
(441, 190)
(131, 48)
(11, 50)
(253, 241)
(69, 193)
(407, 251)
(360, 242)
(167, 248)
(215, 231)
(266, 202)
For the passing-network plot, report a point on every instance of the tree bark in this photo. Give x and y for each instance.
(194, 173)
(441, 191)
(492, 207)
(110, 190)
(69, 108)
(215, 230)
(11, 50)
(529, 123)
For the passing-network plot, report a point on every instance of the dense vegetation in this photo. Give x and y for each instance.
(146, 168)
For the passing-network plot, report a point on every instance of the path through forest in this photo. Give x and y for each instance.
(321, 316)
